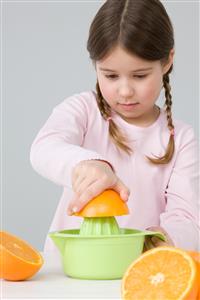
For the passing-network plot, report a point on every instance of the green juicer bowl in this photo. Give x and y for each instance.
(100, 256)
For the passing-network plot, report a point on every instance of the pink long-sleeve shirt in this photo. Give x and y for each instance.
(160, 195)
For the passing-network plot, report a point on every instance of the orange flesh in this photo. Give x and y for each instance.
(165, 276)
(19, 248)
(18, 260)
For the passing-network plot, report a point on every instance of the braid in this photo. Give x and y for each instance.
(116, 135)
(171, 145)
(120, 140)
(104, 108)
(168, 101)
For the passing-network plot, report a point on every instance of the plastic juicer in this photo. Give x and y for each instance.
(100, 249)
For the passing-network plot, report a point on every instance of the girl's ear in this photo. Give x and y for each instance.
(167, 65)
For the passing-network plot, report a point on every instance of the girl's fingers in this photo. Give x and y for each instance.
(76, 182)
(77, 176)
(121, 189)
(79, 201)
(72, 205)
(83, 176)
(159, 242)
(148, 244)
(89, 179)
(153, 242)
(84, 185)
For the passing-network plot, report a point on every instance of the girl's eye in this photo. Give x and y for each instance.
(111, 76)
(116, 76)
(140, 76)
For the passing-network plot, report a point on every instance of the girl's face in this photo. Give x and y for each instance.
(131, 85)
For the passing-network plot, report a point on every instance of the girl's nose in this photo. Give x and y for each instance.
(126, 91)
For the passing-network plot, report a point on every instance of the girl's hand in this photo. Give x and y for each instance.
(90, 178)
(152, 242)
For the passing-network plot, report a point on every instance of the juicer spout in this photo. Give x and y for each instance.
(59, 241)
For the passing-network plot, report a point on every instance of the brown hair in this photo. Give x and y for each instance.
(144, 29)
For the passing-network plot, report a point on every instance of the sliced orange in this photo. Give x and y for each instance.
(162, 273)
(106, 204)
(18, 260)
(196, 257)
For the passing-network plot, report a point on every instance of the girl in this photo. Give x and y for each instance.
(117, 137)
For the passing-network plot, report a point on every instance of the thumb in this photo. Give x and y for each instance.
(72, 207)
(122, 190)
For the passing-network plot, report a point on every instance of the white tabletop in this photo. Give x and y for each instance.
(50, 282)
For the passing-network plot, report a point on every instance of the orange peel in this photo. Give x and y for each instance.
(18, 259)
(106, 204)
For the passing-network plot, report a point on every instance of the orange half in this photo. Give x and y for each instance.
(196, 257)
(162, 273)
(106, 204)
(18, 260)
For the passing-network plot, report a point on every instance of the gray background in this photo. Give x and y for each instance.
(44, 60)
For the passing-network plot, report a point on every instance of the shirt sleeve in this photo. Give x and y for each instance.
(58, 146)
(181, 217)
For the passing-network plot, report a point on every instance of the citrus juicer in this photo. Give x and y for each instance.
(100, 249)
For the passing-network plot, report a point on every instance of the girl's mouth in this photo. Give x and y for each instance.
(128, 106)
